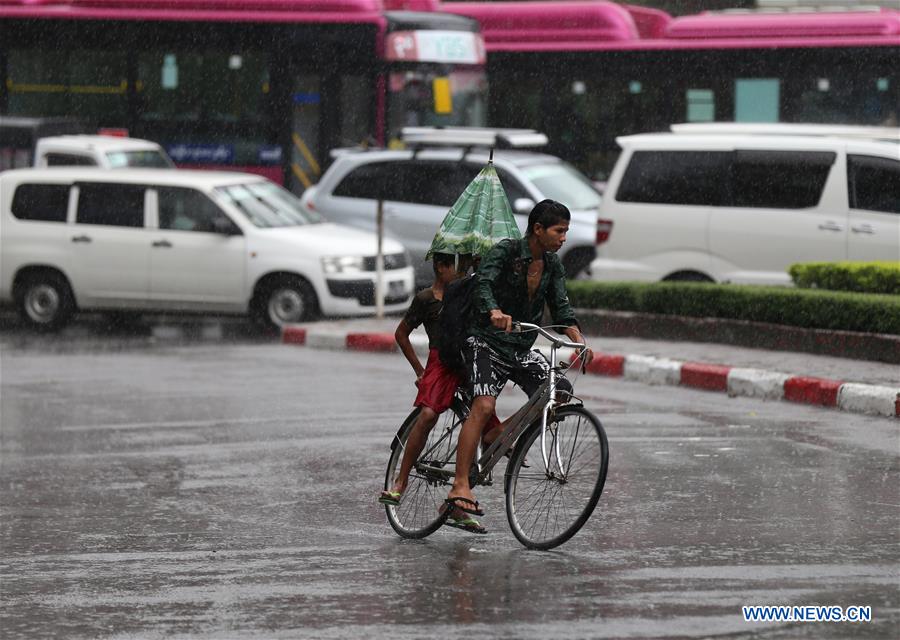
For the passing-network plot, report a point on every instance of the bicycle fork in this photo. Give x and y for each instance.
(545, 415)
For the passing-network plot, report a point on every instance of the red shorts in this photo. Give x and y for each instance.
(437, 386)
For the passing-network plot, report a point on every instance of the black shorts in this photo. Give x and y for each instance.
(488, 370)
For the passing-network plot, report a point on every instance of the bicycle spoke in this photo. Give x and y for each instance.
(544, 508)
(418, 514)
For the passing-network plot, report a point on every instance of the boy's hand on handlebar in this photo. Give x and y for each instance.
(587, 355)
(500, 320)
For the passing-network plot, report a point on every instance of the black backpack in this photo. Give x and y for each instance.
(455, 318)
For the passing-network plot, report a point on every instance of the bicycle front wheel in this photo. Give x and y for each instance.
(418, 515)
(547, 504)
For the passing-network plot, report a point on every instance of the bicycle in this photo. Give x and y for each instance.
(564, 442)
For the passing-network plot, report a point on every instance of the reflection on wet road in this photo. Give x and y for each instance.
(227, 490)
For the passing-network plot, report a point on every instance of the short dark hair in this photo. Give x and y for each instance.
(547, 213)
(445, 259)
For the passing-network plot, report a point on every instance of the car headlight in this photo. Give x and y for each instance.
(342, 264)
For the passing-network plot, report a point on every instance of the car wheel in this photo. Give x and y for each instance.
(688, 276)
(46, 301)
(287, 301)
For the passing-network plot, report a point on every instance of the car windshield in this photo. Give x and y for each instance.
(266, 205)
(562, 182)
(148, 158)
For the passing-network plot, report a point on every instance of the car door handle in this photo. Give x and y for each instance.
(863, 228)
(164, 244)
(831, 226)
(81, 239)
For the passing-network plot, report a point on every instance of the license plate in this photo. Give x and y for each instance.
(396, 288)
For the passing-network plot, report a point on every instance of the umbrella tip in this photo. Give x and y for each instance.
(491, 156)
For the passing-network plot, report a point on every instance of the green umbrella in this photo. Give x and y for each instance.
(479, 219)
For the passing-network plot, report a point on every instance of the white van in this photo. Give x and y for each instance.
(419, 188)
(173, 240)
(743, 207)
(109, 152)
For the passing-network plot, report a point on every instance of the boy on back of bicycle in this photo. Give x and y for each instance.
(437, 383)
(516, 279)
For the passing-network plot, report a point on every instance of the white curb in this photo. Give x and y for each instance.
(326, 340)
(757, 383)
(867, 398)
(652, 370)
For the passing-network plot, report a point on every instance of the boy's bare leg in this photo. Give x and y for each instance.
(469, 435)
(414, 445)
(490, 436)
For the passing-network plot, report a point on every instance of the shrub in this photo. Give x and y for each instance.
(864, 277)
(808, 308)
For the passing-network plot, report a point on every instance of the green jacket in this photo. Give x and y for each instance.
(502, 285)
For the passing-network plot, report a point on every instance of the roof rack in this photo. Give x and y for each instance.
(472, 137)
(790, 129)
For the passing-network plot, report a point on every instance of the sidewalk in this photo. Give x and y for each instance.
(852, 385)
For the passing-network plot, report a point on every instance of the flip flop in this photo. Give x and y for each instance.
(454, 502)
(466, 524)
(390, 498)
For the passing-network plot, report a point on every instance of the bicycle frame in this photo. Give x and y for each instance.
(540, 404)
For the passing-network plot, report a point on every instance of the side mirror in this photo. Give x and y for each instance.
(523, 206)
(226, 227)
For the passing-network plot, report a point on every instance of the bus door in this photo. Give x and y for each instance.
(327, 111)
(305, 152)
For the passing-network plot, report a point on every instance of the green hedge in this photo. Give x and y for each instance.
(864, 277)
(809, 308)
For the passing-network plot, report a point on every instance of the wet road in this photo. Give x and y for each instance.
(221, 490)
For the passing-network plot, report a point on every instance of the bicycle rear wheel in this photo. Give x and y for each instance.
(418, 514)
(547, 506)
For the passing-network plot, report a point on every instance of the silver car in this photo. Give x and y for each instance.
(419, 189)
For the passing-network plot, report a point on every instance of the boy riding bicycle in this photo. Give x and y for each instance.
(437, 383)
(516, 279)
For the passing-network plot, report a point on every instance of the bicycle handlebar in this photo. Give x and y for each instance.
(518, 327)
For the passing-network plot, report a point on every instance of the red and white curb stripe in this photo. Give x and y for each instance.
(735, 381)
(325, 339)
(756, 383)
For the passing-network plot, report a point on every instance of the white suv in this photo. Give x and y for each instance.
(731, 207)
(419, 188)
(109, 152)
(173, 240)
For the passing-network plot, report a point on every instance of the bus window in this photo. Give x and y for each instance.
(757, 99)
(195, 100)
(221, 86)
(356, 96)
(864, 98)
(92, 84)
(411, 101)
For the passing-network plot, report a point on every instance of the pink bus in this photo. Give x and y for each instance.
(586, 72)
(267, 86)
